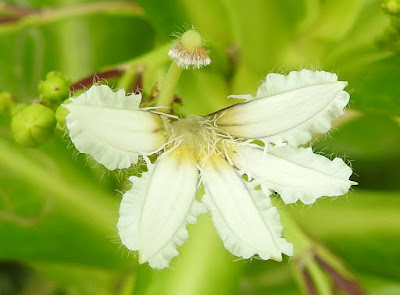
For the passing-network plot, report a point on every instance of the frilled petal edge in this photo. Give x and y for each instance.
(294, 173)
(111, 128)
(155, 212)
(243, 217)
(287, 109)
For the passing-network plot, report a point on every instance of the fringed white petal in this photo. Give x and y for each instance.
(111, 128)
(196, 59)
(294, 173)
(244, 218)
(155, 212)
(287, 108)
(104, 96)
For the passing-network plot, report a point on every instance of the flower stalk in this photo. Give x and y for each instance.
(187, 53)
(316, 268)
(38, 18)
(169, 84)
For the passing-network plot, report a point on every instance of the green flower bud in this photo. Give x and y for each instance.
(16, 108)
(189, 52)
(61, 113)
(33, 125)
(6, 102)
(391, 7)
(54, 89)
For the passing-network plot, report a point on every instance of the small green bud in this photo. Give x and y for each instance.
(189, 52)
(391, 7)
(191, 40)
(61, 113)
(6, 102)
(54, 89)
(17, 108)
(33, 125)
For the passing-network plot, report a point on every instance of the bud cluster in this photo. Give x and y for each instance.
(55, 89)
(33, 125)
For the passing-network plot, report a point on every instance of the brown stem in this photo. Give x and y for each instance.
(92, 79)
(309, 283)
(350, 287)
(16, 10)
(9, 19)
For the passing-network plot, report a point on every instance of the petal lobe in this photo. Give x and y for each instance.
(111, 128)
(244, 218)
(287, 109)
(155, 212)
(294, 173)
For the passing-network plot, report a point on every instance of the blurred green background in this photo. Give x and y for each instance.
(58, 210)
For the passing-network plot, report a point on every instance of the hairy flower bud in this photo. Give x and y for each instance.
(189, 51)
(6, 102)
(54, 89)
(33, 125)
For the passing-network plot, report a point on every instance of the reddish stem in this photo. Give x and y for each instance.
(93, 79)
(350, 287)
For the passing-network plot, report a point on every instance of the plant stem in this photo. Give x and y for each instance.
(127, 79)
(294, 234)
(52, 15)
(168, 87)
(156, 58)
(320, 280)
(303, 256)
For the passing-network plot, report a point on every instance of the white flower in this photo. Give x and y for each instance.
(216, 148)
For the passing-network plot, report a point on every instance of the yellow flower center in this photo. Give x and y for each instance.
(196, 138)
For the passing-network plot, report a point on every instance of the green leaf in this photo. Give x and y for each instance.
(167, 17)
(262, 29)
(375, 87)
(379, 286)
(215, 28)
(52, 212)
(83, 280)
(371, 143)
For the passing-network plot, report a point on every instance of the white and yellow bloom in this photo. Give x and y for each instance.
(215, 151)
